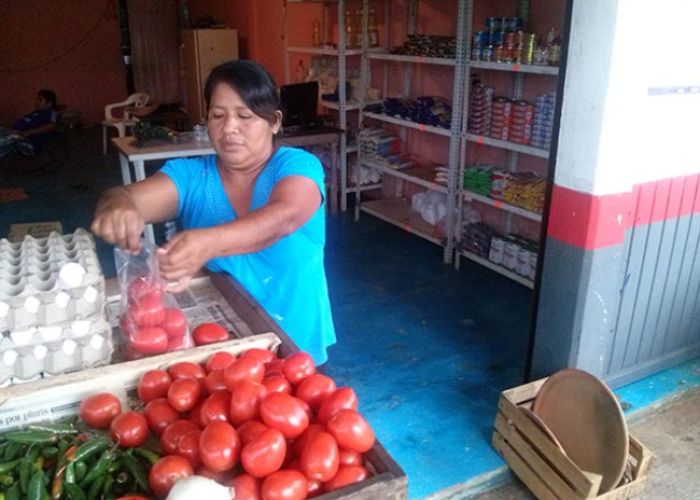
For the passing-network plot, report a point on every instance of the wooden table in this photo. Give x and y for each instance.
(130, 154)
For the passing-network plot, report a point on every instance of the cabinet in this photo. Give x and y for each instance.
(202, 50)
(315, 39)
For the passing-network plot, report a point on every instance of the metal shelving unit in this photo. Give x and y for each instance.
(342, 52)
(513, 149)
(397, 211)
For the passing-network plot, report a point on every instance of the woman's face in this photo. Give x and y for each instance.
(242, 139)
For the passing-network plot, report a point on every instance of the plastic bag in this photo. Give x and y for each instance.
(151, 321)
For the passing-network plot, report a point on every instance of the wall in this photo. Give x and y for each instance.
(619, 288)
(71, 46)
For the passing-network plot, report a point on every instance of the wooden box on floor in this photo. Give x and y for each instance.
(545, 470)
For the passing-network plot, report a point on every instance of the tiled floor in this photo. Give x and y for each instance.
(427, 348)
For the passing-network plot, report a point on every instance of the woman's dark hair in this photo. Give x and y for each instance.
(252, 82)
(48, 96)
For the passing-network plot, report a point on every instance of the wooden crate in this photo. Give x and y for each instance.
(538, 462)
(51, 398)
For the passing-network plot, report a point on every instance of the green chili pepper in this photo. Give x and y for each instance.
(151, 456)
(13, 492)
(13, 450)
(6, 479)
(96, 488)
(32, 437)
(25, 467)
(49, 452)
(89, 448)
(62, 429)
(8, 466)
(36, 486)
(70, 473)
(115, 465)
(80, 470)
(137, 470)
(74, 492)
(100, 468)
(3, 445)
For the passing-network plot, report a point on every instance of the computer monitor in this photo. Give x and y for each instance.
(299, 102)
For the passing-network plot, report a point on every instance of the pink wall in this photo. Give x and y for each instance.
(71, 46)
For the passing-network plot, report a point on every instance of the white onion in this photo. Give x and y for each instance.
(203, 487)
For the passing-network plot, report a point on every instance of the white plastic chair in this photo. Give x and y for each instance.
(124, 119)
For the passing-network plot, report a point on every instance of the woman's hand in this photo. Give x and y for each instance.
(118, 220)
(184, 255)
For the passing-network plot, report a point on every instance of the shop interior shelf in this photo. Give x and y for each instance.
(398, 211)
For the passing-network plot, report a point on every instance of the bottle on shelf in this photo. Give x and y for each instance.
(349, 30)
(316, 26)
(372, 30)
(358, 29)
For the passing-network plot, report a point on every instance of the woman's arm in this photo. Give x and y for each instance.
(123, 211)
(292, 203)
(41, 129)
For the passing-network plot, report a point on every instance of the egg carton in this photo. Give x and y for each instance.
(49, 281)
(47, 351)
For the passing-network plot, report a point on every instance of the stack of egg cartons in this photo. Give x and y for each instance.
(52, 307)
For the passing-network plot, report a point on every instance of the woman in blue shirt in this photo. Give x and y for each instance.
(253, 210)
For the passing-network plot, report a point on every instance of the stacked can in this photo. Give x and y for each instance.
(500, 118)
(480, 109)
(521, 119)
(543, 121)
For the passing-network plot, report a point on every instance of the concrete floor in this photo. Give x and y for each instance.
(673, 433)
(427, 348)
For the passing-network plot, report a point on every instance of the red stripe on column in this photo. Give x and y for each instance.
(588, 221)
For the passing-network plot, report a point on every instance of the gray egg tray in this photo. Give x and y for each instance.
(31, 291)
(53, 350)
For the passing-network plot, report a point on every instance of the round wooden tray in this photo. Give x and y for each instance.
(585, 416)
(543, 427)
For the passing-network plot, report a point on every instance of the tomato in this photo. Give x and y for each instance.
(314, 488)
(340, 399)
(171, 436)
(159, 414)
(184, 393)
(349, 457)
(300, 442)
(246, 487)
(347, 475)
(274, 367)
(174, 322)
(265, 454)
(277, 383)
(184, 369)
(129, 429)
(208, 333)
(178, 343)
(219, 446)
(284, 413)
(193, 414)
(244, 368)
(250, 430)
(166, 472)
(215, 381)
(298, 366)
(314, 390)
(215, 408)
(219, 361)
(149, 340)
(284, 485)
(188, 447)
(262, 354)
(246, 397)
(154, 384)
(219, 477)
(132, 497)
(98, 410)
(319, 460)
(351, 431)
(148, 310)
(142, 286)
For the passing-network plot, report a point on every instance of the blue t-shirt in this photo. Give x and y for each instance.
(35, 119)
(287, 278)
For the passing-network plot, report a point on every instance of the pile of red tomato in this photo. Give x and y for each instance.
(148, 327)
(271, 428)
